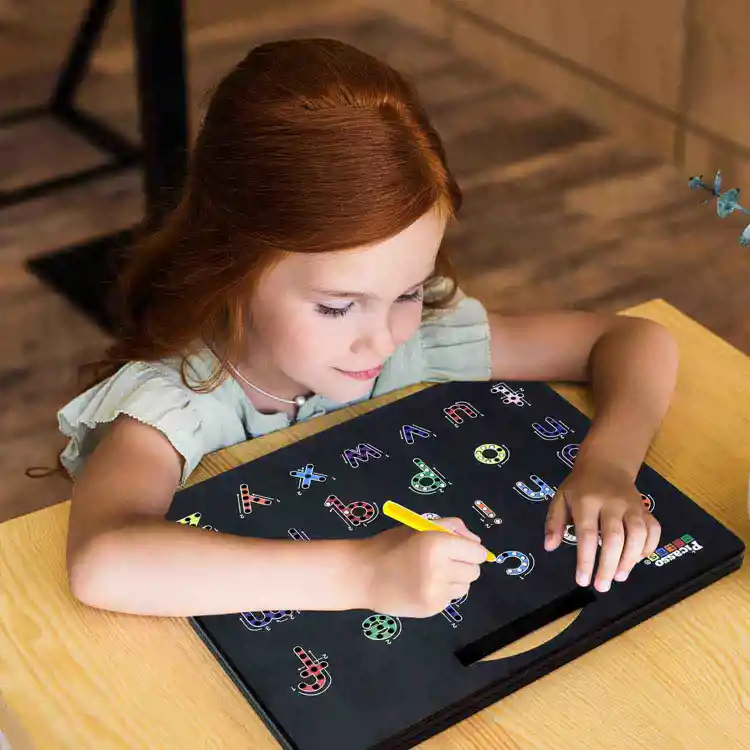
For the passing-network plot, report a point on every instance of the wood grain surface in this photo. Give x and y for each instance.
(12, 735)
(80, 678)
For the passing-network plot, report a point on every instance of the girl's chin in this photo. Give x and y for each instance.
(344, 393)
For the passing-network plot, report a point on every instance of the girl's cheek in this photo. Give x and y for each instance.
(406, 323)
(307, 331)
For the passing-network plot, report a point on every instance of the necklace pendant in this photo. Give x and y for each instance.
(298, 401)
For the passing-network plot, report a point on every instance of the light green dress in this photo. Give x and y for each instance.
(450, 345)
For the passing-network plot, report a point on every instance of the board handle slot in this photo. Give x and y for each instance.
(477, 650)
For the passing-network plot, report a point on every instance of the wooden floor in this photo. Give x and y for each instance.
(557, 214)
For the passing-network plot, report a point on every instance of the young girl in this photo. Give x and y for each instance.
(303, 271)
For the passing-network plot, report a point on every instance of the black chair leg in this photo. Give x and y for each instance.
(84, 273)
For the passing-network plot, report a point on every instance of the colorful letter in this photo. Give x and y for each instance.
(525, 562)
(362, 453)
(314, 675)
(493, 454)
(193, 519)
(451, 612)
(381, 628)
(454, 413)
(409, 431)
(510, 396)
(255, 621)
(545, 491)
(488, 516)
(557, 429)
(569, 453)
(306, 476)
(357, 513)
(427, 480)
(246, 499)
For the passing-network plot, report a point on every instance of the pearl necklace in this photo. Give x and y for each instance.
(297, 401)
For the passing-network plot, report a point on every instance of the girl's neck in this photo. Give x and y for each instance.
(264, 402)
(249, 373)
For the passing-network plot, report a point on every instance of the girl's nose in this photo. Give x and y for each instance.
(379, 343)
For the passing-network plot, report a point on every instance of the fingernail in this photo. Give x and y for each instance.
(621, 575)
(604, 586)
(583, 580)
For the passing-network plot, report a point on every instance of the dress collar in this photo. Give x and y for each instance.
(201, 364)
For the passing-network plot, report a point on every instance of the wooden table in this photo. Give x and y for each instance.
(80, 678)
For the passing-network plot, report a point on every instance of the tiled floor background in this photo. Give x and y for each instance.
(558, 213)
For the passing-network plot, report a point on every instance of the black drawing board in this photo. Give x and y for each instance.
(491, 453)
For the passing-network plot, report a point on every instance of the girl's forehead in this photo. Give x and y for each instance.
(402, 260)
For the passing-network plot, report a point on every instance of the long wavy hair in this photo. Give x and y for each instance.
(307, 146)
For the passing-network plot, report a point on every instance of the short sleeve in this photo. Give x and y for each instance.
(450, 345)
(154, 394)
(455, 343)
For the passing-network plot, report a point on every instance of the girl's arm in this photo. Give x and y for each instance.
(123, 555)
(631, 364)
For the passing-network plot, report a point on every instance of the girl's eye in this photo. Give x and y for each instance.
(413, 297)
(336, 312)
(339, 312)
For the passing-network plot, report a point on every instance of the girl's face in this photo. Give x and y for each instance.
(326, 323)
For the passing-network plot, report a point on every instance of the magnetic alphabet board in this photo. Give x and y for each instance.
(492, 453)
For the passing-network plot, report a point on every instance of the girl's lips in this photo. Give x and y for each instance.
(362, 374)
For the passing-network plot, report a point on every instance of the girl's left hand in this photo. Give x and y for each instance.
(602, 497)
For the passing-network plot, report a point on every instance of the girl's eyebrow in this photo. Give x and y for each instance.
(338, 294)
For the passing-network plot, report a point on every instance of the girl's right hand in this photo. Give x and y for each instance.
(418, 573)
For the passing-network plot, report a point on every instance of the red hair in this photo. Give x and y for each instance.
(307, 146)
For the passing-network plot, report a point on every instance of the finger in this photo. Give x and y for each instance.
(454, 547)
(461, 572)
(458, 590)
(557, 517)
(613, 543)
(653, 533)
(465, 550)
(635, 538)
(457, 526)
(587, 536)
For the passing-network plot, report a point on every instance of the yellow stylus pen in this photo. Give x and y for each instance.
(415, 521)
